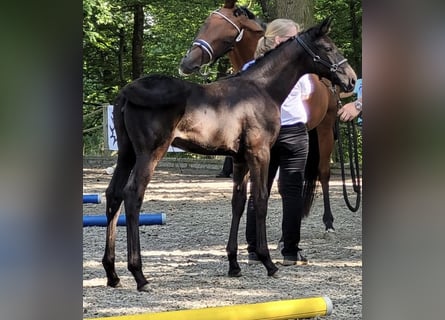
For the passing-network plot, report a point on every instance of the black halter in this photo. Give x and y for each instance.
(332, 67)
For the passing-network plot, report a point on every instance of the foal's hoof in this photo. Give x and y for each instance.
(274, 274)
(272, 271)
(329, 234)
(235, 273)
(114, 283)
(144, 288)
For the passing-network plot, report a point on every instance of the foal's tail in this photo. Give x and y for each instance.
(311, 172)
(118, 120)
(125, 160)
(126, 154)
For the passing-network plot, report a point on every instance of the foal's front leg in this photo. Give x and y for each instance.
(260, 201)
(239, 198)
(260, 195)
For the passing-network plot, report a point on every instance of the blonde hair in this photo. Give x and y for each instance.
(278, 27)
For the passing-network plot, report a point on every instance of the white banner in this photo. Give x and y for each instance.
(112, 139)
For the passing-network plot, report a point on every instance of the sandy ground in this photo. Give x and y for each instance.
(185, 259)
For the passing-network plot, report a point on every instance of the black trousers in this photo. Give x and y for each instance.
(289, 153)
(227, 168)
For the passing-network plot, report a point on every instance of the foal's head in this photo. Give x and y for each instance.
(223, 29)
(327, 59)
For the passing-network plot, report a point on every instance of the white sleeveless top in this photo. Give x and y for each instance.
(292, 109)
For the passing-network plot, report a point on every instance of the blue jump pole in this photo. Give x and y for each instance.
(92, 198)
(144, 219)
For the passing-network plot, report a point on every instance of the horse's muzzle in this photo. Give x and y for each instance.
(351, 85)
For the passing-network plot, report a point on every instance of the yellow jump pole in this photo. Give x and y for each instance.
(277, 310)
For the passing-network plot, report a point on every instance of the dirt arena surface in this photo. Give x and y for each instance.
(185, 259)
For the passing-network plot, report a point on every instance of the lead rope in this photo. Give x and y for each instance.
(351, 134)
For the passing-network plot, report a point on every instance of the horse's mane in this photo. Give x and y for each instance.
(243, 10)
(249, 14)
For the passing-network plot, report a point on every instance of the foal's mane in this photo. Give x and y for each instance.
(258, 61)
(310, 31)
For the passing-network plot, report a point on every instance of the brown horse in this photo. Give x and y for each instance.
(235, 31)
(237, 116)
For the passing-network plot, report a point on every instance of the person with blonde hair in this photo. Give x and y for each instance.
(277, 31)
(289, 153)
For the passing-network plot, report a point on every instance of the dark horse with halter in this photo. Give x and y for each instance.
(235, 31)
(237, 116)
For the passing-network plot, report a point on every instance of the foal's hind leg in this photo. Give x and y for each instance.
(239, 198)
(114, 197)
(133, 197)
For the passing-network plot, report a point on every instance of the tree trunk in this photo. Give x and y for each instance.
(301, 11)
(120, 56)
(137, 43)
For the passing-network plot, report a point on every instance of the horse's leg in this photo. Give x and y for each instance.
(114, 197)
(133, 197)
(260, 195)
(239, 197)
(326, 146)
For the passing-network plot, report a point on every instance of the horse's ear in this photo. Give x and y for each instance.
(325, 25)
(229, 3)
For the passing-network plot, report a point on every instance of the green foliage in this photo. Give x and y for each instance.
(170, 31)
(93, 142)
(253, 6)
(102, 16)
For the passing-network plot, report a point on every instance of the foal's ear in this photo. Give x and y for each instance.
(325, 26)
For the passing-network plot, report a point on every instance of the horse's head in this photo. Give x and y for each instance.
(329, 62)
(223, 29)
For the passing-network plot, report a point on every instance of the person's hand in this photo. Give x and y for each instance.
(348, 112)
